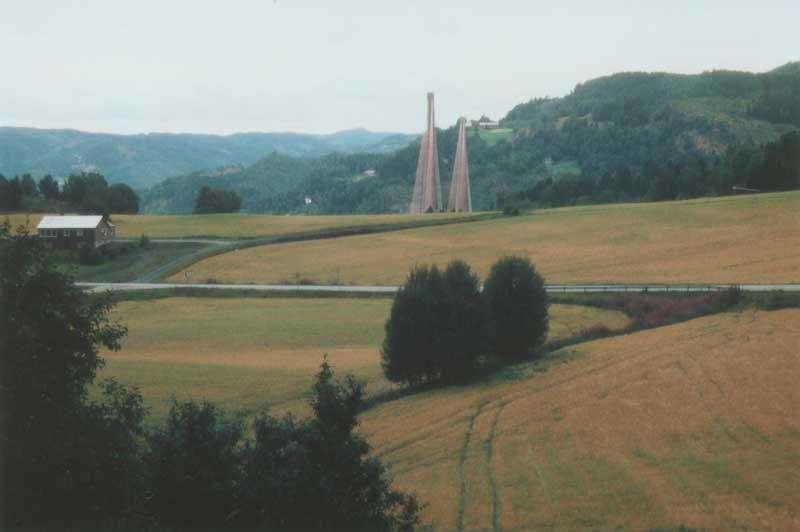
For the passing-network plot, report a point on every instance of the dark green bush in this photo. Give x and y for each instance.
(194, 466)
(88, 255)
(320, 460)
(776, 300)
(436, 328)
(518, 307)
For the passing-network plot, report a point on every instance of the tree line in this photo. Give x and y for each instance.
(79, 460)
(770, 168)
(84, 192)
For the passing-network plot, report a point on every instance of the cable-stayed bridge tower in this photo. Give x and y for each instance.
(427, 189)
(460, 194)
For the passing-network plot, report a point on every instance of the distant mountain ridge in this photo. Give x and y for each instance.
(142, 160)
(625, 137)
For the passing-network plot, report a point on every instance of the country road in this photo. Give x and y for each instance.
(556, 288)
(183, 241)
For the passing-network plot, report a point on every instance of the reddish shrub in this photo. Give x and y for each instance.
(672, 309)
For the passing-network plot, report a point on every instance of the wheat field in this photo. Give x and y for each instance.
(695, 424)
(744, 239)
(241, 353)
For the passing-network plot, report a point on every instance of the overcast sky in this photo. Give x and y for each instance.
(214, 66)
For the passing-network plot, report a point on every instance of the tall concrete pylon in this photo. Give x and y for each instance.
(427, 189)
(460, 194)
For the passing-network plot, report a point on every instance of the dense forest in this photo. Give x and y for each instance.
(625, 137)
(143, 160)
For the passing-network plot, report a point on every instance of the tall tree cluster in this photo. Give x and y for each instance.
(90, 193)
(443, 329)
(437, 328)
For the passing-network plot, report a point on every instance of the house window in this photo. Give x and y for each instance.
(66, 232)
(79, 232)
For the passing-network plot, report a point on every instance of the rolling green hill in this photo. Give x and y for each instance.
(626, 137)
(143, 160)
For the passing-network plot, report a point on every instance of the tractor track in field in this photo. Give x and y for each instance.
(490, 469)
(462, 459)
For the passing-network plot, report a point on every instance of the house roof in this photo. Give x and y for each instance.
(69, 222)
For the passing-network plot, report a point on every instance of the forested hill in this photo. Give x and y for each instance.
(629, 136)
(711, 110)
(143, 160)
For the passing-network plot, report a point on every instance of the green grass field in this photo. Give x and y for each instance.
(235, 226)
(134, 263)
(243, 352)
(743, 239)
(492, 136)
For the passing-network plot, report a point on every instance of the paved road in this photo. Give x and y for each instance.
(559, 288)
(182, 240)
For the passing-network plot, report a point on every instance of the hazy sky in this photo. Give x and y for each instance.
(221, 66)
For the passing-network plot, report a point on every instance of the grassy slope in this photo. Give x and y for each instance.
(492, 136)
(242, 352)
(744, 239)
(135, 263)
(234, 226)
(691, 424)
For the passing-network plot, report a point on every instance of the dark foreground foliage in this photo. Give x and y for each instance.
(68, 461)
(75, 460)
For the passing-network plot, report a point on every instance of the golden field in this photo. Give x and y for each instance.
(695, 424)
(233, 226)
(743, 239)
(243, 352)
